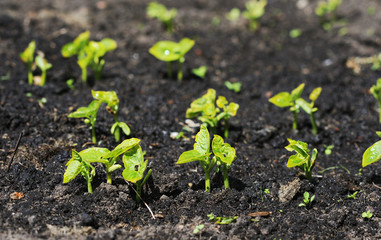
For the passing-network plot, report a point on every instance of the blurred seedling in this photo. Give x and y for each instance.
(233, 15)
(302, 159)
(367, 214)
(224, 156)
(211, 111)
(327, 12)
(89, 53)
(235, 87)
(353, 195)
(255, 9)
(164, 15)
(307, 200)
(221, 220)
(376, 92)
(200, 71)
(168, 51)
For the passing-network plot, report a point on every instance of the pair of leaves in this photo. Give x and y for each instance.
(285, 99)
(89, 112)
(28, 55)
(73, 48)
(159, 11)
(254, 9)
(204, 104)
(223, 151)
(108, 97)
(169, 51)
(125, 128)
(302, 153)
(230, 110)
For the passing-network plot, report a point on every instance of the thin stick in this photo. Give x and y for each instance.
(376, 185)
(149, 209)
(15, 151)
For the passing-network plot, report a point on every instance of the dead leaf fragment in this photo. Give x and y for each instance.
(16, 195)
(260, 214)
(288, 191)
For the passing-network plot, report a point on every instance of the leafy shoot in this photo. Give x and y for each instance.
(28, 58)
(235, 87)
(307, 201)
(367, 214)
(221, 220)
(159, 11)
(255, 9)
(200, 71)
(327, 13)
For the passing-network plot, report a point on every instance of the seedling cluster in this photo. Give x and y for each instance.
(211, 111)
(327, 12)
(27, 56)
(90, 113)
(89, 53)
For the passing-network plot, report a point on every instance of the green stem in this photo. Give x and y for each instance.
(98, 74)
(180, 70)
(30, 77)
(207, 181)
(84, 74)
(109, 178)
(169, 69)
(43, 78)
(254, 25)
(379, 111)
(93, 137)
(225, 174)
(313, 122)
(117, 130)
(295, 122)
(308, 175)
(89, 187)
(226, 133)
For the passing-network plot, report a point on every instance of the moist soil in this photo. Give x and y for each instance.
(36, 204)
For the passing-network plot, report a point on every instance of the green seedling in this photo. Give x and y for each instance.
(376, 92)
(89, 53)
(164, 15)
(200, 71)
(309, 108)
(233, 15)
(28, 58)
(367, 214)
(328, 149)
(302, 158)
(198, 228)
(169, 51)
(353, 195)
(255, 9)
(285, 99)
(70, 83)
(267, 191)
(44, 66)
(90, 114)
(224, 155)
(211, 112)
(295, 33)
(134, 168)
(80, 163)
(111, 99)
(372, 154)
(307, 201)
(235, 87)
(327, 13)
(295, 102)
(221, 220)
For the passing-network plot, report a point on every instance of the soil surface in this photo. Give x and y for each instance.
(36, 204)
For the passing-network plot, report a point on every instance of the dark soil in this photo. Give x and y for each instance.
(266, 62)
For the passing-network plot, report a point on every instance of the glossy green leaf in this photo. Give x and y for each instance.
(185, 45)
(223, 150)
(298, 146)
(204, 103)
(123, 147)
(296, 160)
(114, 167)
(86, 112)
(282, 99)
(295, 94)
(74, 167)
(125, 128)
(304, 105)
(191, 156)
(109, 44)
(315, 94)
(93, 154)
(200, 71)
(28, 54)
(202, 144)
(372, 154)
(134, 164)
(165, 51)
(76, 46)
(108, 97)
(42, 63)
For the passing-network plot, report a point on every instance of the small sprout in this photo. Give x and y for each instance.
(327, 13)
(90, 114)
(328, 149)
(376, 92)
(255, 9)
(224, 155)
(28, 58)
(134, 168)
(80, 163)
(372, 154)
(353, 195)
(267, 191)
(89, 53)
(44, 66)
(200, 71)
(233, 15)
(360, 172)
(29, 94)
(307, 201)
(295, 33)
(301, 159)
(216, 21)
(295, 102)
(159, 11)
(112, 101)
(169, 51)
(367, 214)
(206, 110)
(70, 83)
(198, 228)
(236, 87)
(221, 220)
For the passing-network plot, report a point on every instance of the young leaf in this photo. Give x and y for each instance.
(282, 99)
(200, 71)
(86, 112)
(109, 44)
(125, 146)
(93, 154)
(134, 164)
(165, 51)
(298, 146)
(204, 103)
(221, 101)
(191, 156)
(295, 94)
(74, 167)
(202, 144)
(222, 150)
(304, 105)
(232, 109)
(372, 154)
(125, 128)
(315, 94)
(108, 97)
(185, 45)
(73, 48)
(27, 55)
(42, 63)
(236, 87)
